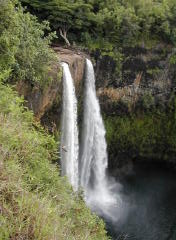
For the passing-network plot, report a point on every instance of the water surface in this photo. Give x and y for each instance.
(147, 210)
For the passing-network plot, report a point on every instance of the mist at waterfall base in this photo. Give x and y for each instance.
(148, 207)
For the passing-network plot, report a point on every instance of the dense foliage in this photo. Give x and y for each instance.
(148, 134)
(109, 26)
(24, 46)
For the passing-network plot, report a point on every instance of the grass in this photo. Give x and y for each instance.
(35, 201)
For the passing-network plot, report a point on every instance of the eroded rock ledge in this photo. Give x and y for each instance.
(76, 62)
(46, 103)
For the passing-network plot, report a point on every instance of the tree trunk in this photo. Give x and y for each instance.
(63, 34)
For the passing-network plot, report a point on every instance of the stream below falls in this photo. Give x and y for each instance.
(147, 209)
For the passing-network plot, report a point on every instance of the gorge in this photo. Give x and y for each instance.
(87, 119)
(137, 117)
(122, 205)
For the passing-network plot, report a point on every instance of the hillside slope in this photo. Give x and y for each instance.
(35, 201)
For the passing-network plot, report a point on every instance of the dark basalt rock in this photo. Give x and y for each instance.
(157, 76)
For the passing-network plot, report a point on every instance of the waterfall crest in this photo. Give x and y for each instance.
(93, 159)
(69, 135)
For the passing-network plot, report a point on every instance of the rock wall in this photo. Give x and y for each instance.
(38, 99)
(47, 103)
(144, 91)
(144, 71)
(76, 62)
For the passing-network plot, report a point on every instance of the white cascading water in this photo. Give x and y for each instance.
(69, 135)
(93, 159)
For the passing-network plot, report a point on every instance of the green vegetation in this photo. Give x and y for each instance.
(24, 46)
(35, 201)
(114, 22)
(149, 134)
(109, 26)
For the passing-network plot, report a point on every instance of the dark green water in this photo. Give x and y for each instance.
(147, 210)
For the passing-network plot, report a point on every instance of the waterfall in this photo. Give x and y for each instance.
(69, 135)
(89, 170)
(93, 159)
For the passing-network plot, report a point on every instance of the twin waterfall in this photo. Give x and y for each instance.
(69, 137)
(89, 169)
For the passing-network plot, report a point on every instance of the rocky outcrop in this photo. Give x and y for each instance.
(76, 62)
(38, 99)
(109, 95)
(46, 102)
(151, 66)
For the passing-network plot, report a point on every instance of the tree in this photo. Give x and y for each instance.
(9, 32)
(63, 15)
(24, 45)
(34, 56)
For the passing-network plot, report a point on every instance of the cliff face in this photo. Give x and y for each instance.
(40, 100)
(76, 62)
(147, 77)
(144, 72)
(47, 103)
(138, 106)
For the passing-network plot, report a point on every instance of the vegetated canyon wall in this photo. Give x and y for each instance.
(144, 72)
(139, 107)
(130, 103)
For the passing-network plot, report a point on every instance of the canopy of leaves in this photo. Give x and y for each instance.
(117, 23)
(24, 47)
(109, 26)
